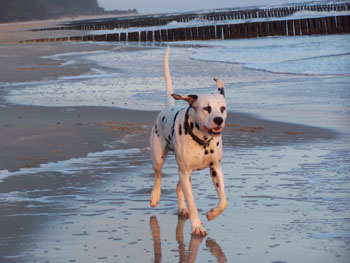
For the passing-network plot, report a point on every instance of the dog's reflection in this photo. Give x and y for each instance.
(184, 256)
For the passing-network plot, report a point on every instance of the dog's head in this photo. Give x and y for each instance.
(209, 111)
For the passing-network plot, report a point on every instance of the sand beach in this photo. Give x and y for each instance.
(75, 180)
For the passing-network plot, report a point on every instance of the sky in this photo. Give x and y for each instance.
(167, 6)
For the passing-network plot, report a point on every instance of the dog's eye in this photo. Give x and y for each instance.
(223, 108)
(207, 108)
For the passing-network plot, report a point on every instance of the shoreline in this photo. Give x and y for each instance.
(71, 132)
(34, 135)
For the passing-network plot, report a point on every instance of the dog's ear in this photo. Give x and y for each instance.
(190, 98)
(221, 86)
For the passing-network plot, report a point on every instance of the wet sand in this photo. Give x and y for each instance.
(76, 184)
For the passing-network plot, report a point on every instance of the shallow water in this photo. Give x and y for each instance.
(286, 204)
(134, 79)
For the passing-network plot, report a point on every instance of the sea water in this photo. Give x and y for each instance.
(299, 79)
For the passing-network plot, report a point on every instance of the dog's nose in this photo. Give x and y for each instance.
(218, 120)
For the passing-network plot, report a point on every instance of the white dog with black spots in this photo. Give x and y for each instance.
(194, 134)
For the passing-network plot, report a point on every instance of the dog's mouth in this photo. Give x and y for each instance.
(216, 131)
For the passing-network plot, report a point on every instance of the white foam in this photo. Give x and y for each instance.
(74, 165)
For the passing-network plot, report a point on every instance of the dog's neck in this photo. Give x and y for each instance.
(198, 137)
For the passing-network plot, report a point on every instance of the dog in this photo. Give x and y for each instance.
(194, 134)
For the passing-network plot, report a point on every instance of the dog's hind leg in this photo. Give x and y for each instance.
(218, 180)
(159, 152)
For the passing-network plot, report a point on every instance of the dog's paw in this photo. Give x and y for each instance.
(155, 197)
(199, 231)
(183, 212)
(213, 213)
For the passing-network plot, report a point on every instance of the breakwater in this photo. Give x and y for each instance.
(261, 28)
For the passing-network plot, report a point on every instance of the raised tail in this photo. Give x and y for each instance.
(169, 87)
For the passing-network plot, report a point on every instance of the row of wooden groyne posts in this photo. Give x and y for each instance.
(158, 20)
(280, 27)
(299, 27)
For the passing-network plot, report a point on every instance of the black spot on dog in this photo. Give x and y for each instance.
(211, 163)
(163, 118)
(213, 173)
(222, 91)
(197, 126)
(206, 152)
(211, 151)
(180, 130)
(217, 185)
(176, 115)
(191, 125)
(185, 128)
(207, 108)
(218, 143)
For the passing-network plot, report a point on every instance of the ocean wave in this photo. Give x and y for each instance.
(312, 55)
(74, 165)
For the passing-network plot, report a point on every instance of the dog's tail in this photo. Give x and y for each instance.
(169, 87)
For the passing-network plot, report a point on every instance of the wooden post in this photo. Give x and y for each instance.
(331, 27)
(290, 28)
(283, 26)
(122, 36)
(206, 30)
(340, 24)
(157, 36)
(143, 36)
(150, 36)
(226, 32)
(219, 32)
(164, 35)
(297, 27)
(347, 23)
(312, 26)
(188, 33)
(177, 34)
(304, 27)
(201, 34)
(133, 36)
(323, 25)
(170, 35)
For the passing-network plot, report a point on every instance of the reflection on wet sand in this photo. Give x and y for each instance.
(185, 256)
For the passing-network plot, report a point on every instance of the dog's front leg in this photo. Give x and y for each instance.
(218, 180)
(196, 224)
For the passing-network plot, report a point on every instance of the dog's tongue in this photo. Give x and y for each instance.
(205, 128)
